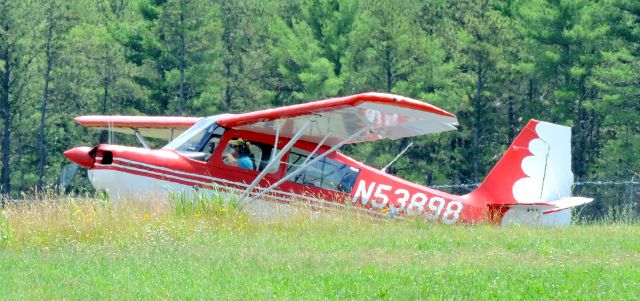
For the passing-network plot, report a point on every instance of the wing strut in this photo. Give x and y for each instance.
(140, 138)
(110, 132)
(307, 164)
(313, 153)
(275, 145)
(277, 157)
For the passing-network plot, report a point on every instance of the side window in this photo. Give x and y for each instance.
(201, 146)
(326, 173)
(210, 146)
(248, 154)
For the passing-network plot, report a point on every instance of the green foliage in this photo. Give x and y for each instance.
(332, 22)
(577, 64)
(177, 45)
(245, 71)
(382, 48)
(300, 63)
(494, 64)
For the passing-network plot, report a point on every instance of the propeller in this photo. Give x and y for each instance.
(67, 173)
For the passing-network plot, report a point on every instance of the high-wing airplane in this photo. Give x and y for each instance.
(278, 157)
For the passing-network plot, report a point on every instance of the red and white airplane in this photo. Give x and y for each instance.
(293, 159)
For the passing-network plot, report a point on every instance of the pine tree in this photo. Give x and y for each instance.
(244, 56)
(16, 56)
(56, 24)
(301, 71)
(381, 49)
(573, 38)
(618, 79)
(331, 22)
(177, 44)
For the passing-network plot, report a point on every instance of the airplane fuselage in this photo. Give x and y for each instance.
(284, 156)
(126, 172)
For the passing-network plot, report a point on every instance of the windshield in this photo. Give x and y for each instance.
(192, 138)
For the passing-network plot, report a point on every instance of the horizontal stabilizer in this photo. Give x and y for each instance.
(566, 203)
(543, 213)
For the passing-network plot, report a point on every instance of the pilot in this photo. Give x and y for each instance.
(241, 154)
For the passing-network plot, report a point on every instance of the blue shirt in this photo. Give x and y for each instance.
(245, 162)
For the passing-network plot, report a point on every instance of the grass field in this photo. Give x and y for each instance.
(87, 249)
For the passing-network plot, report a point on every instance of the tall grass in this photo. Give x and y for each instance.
(216, 205)
(208, 248)
(49, 219)
(623, 214)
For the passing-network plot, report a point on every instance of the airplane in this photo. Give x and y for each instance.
(291, 158)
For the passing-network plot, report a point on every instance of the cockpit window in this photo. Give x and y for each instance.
(199, 141)
(249, 154)
(326, 173)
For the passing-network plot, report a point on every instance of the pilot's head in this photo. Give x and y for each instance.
(240, 146)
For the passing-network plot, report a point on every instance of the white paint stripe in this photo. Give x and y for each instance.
(154, 173)
(197, 175)
(165, 169)
(310, 200)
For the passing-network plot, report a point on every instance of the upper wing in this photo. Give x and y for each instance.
(386, 116)
(148, 126)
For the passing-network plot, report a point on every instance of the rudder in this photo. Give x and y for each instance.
(533, 179)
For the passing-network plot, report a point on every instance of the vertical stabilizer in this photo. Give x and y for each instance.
(533, 179)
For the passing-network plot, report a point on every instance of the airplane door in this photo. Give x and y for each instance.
(241, 156)
(327, 179)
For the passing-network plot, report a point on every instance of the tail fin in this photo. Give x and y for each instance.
(533, 179)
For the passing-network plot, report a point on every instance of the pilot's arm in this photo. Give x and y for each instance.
(231, 160)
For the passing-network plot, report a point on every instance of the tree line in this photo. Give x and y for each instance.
(495, 64)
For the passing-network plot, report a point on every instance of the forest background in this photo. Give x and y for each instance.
(495, 64)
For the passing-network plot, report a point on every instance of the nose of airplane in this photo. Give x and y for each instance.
(81, 156)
